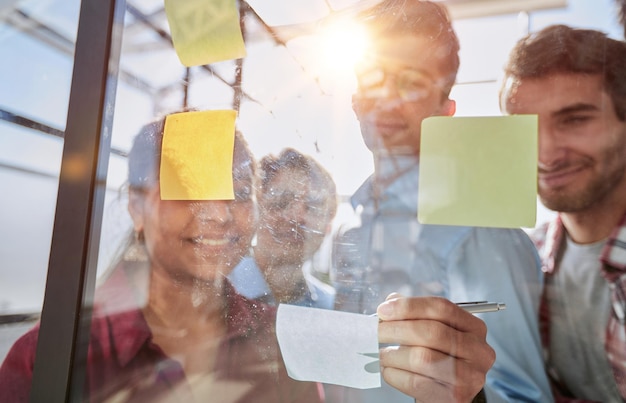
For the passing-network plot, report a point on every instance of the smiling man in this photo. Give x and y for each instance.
(575, 80)
(297, 201)
(404, 78)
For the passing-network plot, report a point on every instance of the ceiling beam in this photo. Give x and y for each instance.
(461, 9)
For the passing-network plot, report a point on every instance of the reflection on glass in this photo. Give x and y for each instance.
(288, 96)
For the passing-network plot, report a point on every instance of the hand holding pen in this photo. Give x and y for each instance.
(437, 350)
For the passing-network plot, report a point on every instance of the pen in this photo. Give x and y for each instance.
(481, 306)
(478, 306)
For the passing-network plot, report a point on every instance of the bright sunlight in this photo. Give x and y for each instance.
(342, 44)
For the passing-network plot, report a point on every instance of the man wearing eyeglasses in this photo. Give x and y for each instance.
(405, 78)
(297, 201)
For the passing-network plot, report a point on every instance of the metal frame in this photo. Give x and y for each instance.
(59, 369)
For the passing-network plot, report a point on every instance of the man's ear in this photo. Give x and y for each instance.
(448, 108)
(136, 209)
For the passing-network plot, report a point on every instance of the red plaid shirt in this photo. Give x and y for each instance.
(612, 262)
(124, 363)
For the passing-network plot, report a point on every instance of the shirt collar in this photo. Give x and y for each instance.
(403, 189)
(613, 254)
(363, 193)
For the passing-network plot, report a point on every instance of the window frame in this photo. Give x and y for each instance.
(58, 373)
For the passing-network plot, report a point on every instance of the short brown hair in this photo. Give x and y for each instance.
(561, 49)
(418, 18)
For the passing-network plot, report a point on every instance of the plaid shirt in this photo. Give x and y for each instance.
(124, 364)
(549, 241)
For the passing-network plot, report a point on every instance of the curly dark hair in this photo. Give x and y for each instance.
(290, 159)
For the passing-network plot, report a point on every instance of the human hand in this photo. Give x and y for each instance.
(439, 352)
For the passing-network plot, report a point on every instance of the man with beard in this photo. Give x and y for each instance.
(575, 80)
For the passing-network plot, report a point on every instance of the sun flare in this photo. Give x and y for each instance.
(343, 44)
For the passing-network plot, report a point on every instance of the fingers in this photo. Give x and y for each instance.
(440, 352)
(437, 324)
(433, 308)
(433, 365)
(423, 389)
(436, 336)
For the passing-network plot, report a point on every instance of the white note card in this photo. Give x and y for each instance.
(321, 345)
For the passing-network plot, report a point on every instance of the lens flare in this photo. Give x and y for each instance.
(343, 44)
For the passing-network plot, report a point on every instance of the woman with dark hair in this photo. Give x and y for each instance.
(170, 327)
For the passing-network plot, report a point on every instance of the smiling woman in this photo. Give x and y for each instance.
(171, 325)
(207, 237)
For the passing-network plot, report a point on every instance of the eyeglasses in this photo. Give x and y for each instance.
(313, 205)
(411, 85)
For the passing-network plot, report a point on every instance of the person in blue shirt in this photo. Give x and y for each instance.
(406, 77)
(297, 203)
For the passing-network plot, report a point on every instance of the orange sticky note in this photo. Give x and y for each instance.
(197, 156)
(205, 31)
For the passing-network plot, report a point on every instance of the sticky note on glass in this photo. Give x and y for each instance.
(205, 31)
(478, 171)
(197, 156)
(322, 345)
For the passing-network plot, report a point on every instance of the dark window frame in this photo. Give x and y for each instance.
(59, 369)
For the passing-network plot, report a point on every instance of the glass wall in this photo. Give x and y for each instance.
(38, 42)
(293, 89)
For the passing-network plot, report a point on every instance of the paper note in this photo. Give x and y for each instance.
(478, 171)
(321, 345)
(204, 31)
(197, 157)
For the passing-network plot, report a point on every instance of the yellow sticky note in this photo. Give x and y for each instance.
(478, 171)
(197, 156)
(205, 31)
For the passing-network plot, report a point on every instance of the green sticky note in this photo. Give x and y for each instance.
(478, 171)
(197, 156)
(205, 31)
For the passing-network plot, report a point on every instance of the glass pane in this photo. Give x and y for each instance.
(37, 38)
(321, 215)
